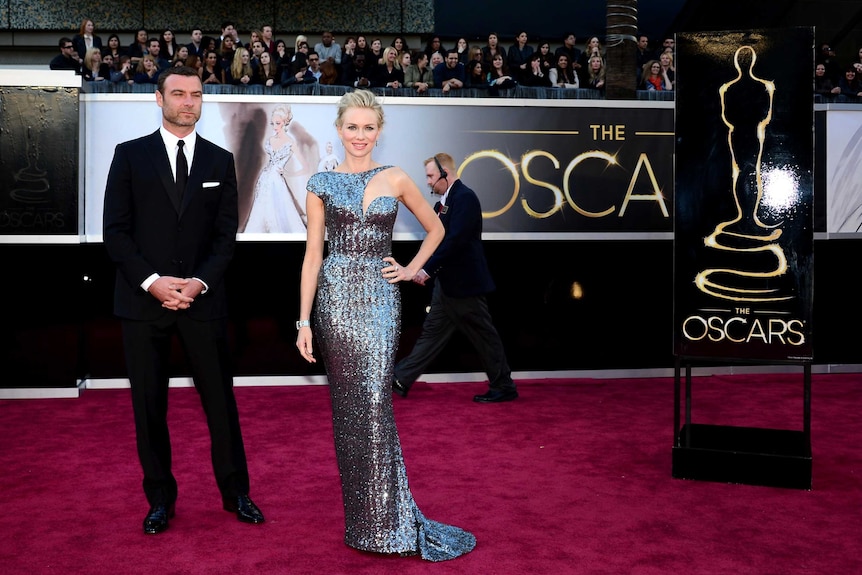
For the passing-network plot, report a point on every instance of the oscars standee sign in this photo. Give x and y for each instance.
(743, 236)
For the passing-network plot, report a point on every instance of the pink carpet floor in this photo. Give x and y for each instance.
(572, 478)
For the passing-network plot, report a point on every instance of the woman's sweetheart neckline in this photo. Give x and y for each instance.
(371, 203)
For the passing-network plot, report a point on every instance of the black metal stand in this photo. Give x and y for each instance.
(749, 455)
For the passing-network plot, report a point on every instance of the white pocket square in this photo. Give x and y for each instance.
(211, 184)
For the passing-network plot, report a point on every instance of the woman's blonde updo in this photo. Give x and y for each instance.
(359, 99)
(285, 113)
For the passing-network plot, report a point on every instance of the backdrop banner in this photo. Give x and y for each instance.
(743, 236)
(844, 172)
(542, 170)
(38, 161)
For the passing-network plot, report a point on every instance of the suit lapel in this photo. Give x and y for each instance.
(162, 165)
(446, 212)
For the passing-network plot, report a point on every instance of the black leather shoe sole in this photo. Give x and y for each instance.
(496, 396)
(245, 509)
(156, 520)
(399, 388)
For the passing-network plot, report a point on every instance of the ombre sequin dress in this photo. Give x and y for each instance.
(357, 323)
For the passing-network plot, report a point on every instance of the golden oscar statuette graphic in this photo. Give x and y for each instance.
(31, 185)
(751, 244)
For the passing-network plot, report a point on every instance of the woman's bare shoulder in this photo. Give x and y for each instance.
(396, 177)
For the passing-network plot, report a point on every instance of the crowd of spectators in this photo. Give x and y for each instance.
(834, 81)
(360, 62)
(357, 62)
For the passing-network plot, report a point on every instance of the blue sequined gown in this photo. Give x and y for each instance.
(357, 323)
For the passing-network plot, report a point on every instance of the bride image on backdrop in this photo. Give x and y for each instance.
(279, 193)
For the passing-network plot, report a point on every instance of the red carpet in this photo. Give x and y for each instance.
(574, 477)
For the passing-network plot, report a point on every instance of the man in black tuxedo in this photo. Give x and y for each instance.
(172, 238)
(462, 280)
(67, 59)
(154, 50)
(196, 46)
(642, 55)
(571, 50)
(357, 73)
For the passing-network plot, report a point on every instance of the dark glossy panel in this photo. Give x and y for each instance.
(744, 195)
(39, 167)
(61, 328)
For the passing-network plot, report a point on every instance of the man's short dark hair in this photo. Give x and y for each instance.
(175, 71)
(226, 24)
(151, 40)
(64, 40)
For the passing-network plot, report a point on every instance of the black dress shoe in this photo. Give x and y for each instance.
(496, 396)
(245, 509)
(399, 388)
(156, 520)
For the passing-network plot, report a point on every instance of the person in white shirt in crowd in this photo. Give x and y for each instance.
(328, 49)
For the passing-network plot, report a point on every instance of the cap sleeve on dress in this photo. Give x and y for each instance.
(315, 184)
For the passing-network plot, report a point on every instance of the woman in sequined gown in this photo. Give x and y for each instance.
(357, 323)
(276, 209)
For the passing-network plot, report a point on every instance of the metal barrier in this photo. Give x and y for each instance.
(527, 92)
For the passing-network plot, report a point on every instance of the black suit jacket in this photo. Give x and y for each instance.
(147, 231)
(459, 263)
(80, 44)
(199, 51)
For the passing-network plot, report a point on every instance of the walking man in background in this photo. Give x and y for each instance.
(462, 280)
